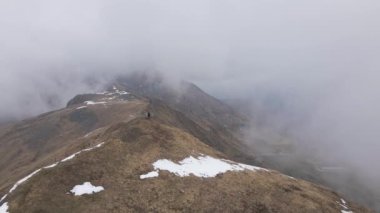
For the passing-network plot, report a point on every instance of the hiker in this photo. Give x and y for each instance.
(147, 115)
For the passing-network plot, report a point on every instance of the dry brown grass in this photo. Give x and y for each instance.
(130, 150)
(31, 144)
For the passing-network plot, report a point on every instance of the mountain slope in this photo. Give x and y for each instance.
(38, 141)
(104, 139)
(129, 151)
(219, 124)
(185, 97)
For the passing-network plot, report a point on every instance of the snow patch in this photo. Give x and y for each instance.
(51, 166)
(343, 201)
(86, 188)
(343, 204)
(119, 92)
(4, 208)
(94, 103)
(203, 166)
(83, 150)
(90, 133)
(71, 156)
(101, 93)
(81, 107)
(24, 179)
(91, 148)
(122, 92)
(5, 196)
(115, 91)
(18, 183)
(149, 175)
(97, 146)
(289, 177)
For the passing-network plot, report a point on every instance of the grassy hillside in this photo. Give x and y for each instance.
(129, 151)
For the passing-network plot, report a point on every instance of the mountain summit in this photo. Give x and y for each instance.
(102, 154)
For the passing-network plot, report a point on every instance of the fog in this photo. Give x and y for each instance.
(318, 59)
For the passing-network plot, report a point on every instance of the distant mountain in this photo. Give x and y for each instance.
(101, 154)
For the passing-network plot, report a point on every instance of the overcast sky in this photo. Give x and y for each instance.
(321, 57)
(279, 44)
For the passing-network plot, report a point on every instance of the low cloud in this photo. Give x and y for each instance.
(318, 60)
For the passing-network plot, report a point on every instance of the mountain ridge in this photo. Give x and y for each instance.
(132, 143)
(137, 144)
